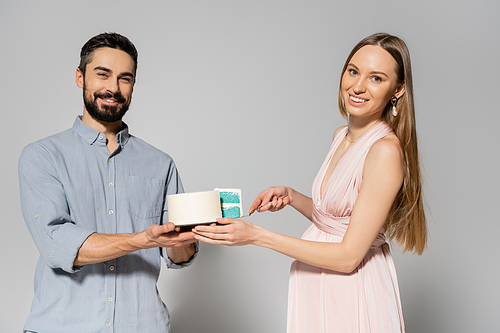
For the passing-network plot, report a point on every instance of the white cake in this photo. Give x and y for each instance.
(194, 208)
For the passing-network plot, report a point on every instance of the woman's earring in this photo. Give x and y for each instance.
(394, 101)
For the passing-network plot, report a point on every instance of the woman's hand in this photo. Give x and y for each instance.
(231, 233)
(272, 199)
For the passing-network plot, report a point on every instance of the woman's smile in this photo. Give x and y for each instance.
(356, 100)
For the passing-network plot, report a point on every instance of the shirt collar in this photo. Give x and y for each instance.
(93, 136)
(123, 136)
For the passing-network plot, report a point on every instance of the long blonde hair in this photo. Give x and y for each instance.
(406, 221)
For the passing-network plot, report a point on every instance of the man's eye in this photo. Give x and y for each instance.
(102, 74)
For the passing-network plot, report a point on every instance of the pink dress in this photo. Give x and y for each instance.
(366, 300)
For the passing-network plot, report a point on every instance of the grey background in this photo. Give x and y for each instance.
(243, 94)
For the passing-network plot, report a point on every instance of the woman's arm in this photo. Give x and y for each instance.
(382, 179)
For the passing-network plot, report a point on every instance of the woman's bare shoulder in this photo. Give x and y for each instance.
(337, 131)
(388, 149)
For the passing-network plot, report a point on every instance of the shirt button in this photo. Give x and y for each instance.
(110, 299)
(90, 140)
(110, 160)
(36, 216)
(111, 268)
(101, 137)
(110, 184)
(108, 325)
(110, 212)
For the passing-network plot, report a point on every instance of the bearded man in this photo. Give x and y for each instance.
(94, 200)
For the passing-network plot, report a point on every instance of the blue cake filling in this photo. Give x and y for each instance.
(232, 212)
(229, 197)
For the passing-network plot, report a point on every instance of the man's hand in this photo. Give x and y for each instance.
(179, 245)
(166, 236)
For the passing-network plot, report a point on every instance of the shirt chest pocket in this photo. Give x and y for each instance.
(144, 196)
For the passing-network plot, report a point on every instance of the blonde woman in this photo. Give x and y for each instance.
(368, 189)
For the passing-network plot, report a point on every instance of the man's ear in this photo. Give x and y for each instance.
(79, 78)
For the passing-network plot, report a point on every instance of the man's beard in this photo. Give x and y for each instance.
(105, 113)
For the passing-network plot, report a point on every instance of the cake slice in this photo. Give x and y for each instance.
(230, 201)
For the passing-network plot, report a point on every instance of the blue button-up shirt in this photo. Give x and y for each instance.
(71, 187)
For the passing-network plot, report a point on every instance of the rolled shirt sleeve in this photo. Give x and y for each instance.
(173, 265)
(46, 211)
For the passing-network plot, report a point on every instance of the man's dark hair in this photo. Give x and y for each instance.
(106, 39)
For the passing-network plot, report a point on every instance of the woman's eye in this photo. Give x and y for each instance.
(353, 72)
(377, 79)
